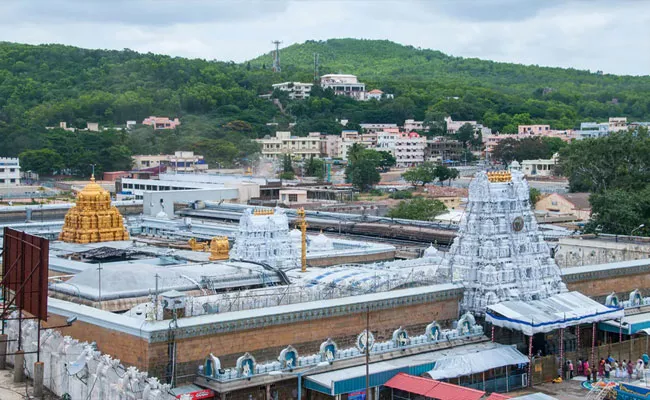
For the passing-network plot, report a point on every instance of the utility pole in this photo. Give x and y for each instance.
(155, 300)
(99, 291)
(367, 351)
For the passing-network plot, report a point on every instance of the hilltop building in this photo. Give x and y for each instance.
(296, 146)
(540, 167)
(344, 85)
(161, 122)
(296, 90)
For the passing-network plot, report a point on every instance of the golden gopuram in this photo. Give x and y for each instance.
(499, 176)
(93, 219)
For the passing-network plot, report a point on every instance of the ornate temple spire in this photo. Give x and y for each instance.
(499, 253)
(93, 218)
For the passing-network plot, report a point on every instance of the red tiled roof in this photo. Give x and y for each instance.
(432, 388)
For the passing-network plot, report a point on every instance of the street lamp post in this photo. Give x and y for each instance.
(300, 374)
(636, 229)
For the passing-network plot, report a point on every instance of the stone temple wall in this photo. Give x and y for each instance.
(100, 376)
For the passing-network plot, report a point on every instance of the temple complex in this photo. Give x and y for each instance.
(93, 219)
(499, 254)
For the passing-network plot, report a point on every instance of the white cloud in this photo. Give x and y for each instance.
(596, 35)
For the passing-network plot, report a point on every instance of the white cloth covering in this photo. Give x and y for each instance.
(476, 362)
(558, 311)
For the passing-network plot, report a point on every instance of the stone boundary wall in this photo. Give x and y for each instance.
(100, 377)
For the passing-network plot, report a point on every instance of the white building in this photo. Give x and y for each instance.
(409, 149)
(180, 161)
(369, 128)
(296, 146)
(540, 167)
(344, 85)
(617, 124)
(9, 171)
(296, 90)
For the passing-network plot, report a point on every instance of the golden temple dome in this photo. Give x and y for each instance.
(93, 218)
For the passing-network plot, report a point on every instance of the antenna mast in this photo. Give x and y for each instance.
(276, 56)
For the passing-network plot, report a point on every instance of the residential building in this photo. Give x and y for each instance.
(296, 146)
(131, 124)
(412, 125)
(161, 122)
(566, 203)
(330, 145)
(617, 124)
(9, 171)
(349, 138)
(296, 90)
(92, 126)
(540, 167)
(533, 129)
(293, 196)
(454, 126)
(369, 128)
(409, 149)
(387, 140)
(344, 85)
(374, 94)
(180, 161)
(441, 149)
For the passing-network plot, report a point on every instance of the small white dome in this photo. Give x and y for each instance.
(295, 234)
(430, 252)
(162, 215)
(320, 242)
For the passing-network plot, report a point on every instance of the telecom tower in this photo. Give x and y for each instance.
(276, 56)
(316, 67)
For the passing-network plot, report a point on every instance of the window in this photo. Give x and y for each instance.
(293, 197)
(13, 180)
(12, 169)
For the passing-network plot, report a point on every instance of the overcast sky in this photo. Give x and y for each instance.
(613, 36)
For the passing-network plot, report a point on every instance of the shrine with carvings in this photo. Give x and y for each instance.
(93, 219)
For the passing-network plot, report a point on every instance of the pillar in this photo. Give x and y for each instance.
(3, 351)
(593, 345)
(39, 369)
(562, 352)
(492, 333)
(19, 364)
(530, 360)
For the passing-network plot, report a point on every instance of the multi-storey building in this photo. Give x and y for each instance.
(344, 85)
(180, 161)
(413, 125)
(454, 126)
(409, 149)
(349, 138)
(161, 122)
(330, 145)
(369, 128)
(441, 149)
(296, 90)
(617, 124)
(9, 171)
(533, 129)
(296, 146)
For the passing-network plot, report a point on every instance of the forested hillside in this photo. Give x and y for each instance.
(221, 112)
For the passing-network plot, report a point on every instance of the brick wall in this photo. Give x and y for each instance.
(597, 288)
(266, 344)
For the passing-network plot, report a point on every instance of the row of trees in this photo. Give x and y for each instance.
(428, 172)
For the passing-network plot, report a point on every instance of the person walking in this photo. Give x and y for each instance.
(570, 370)
(608, 369)
(588, 374)
(585, 367)
(581, 364)
(630, 369)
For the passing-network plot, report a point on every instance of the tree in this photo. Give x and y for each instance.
(387, 160)
(423, 174)
(43, 161)
(287, 165)
(315, 167)
(528, 148)
(420, 208)
(443, 174)
(363, 174)
(465, 134)
(534, 196)
(619, 211)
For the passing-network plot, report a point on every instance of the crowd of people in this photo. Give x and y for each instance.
(607, 368)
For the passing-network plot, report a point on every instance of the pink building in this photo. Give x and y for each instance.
(161, 122)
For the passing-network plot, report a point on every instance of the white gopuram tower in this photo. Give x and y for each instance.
(263, 236)
(499, 254)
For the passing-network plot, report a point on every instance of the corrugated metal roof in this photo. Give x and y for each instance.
(434, 389)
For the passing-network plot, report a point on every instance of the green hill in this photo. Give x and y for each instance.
(221, 112)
